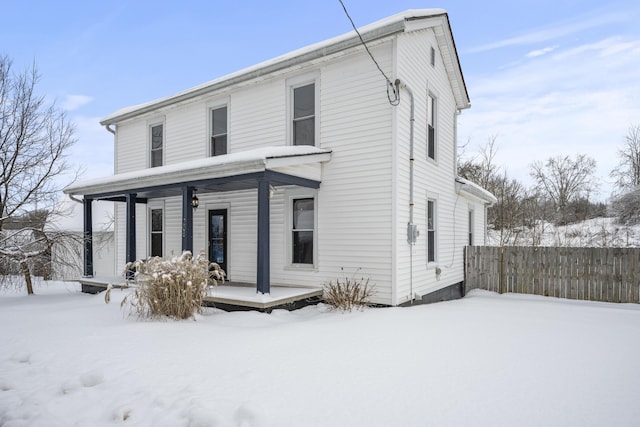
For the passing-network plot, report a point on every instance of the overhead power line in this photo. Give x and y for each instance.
(396, 91)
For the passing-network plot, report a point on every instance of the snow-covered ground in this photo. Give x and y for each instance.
(597, 232)
(67, 359)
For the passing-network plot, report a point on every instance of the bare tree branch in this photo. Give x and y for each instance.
(563, 180)
(34, 140)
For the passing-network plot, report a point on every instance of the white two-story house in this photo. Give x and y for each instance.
(309, 167)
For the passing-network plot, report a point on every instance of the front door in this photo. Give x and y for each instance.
(218, 238)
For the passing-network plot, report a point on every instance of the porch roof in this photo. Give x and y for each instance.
(227, 172)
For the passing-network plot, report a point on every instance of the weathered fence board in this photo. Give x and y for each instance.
(596, 274)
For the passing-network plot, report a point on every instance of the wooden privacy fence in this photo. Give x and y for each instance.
(595, 274)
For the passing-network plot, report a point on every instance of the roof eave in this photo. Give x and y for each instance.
(271, 66)
(406, 21)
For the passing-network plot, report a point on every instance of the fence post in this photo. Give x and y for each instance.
(502, 280)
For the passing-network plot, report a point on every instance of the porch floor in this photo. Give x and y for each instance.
(231, 296)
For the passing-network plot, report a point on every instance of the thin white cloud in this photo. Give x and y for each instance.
(73, 102)
(554, 32)
(541, 52)
(569, 101)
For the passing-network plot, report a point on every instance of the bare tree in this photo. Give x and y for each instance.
(562, 180)
(482, 171)
(627, 173)
(507, 213)
(34, 138)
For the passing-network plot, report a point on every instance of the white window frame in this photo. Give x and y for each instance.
(158, 121)
(432, 116)
(471, 235)
(151, 207)
(214, 105)
(290, 196)
(296, 82)
(433, 200)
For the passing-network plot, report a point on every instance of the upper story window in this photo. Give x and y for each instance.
(157, 143)
(304, 115)
(432, 122)
(218, 131)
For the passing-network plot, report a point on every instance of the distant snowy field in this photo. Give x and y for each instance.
(597, 232)
(67, 359)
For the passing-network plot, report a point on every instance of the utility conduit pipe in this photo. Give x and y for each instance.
(412, 229)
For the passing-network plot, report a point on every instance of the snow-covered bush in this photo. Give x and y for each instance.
(173, 287)
(348, 293)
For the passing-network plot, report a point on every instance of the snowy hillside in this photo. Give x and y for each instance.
(67, 359)
(597, 232)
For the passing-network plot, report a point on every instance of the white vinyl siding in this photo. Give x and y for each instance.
(415, 274)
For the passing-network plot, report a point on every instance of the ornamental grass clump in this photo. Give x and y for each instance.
(173, 287)
(348, 293)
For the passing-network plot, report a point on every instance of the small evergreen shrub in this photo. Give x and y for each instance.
(348, 293)
(173, 287)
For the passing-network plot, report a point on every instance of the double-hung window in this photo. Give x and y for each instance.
(471, 227)
(157, 143)
(431, 125)
(218, 131)
(431, 231)
(156, 232)
(304, 115)
(302, 230)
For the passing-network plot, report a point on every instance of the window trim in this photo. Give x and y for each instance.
(150, 208)
(294, 83)
(433, 200)
(432, 115)
(471, 226)
(291, 195)
(210, 106)
(158, 121)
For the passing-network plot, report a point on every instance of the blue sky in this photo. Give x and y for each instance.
(546, 78)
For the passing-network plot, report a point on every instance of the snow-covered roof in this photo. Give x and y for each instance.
(473, 189)
(257, 160)
(409, 20)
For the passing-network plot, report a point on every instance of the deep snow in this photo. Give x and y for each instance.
(67, 359)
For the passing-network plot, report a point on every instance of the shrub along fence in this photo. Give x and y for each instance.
(595, 274)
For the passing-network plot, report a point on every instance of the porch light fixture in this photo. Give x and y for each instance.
(194, 200)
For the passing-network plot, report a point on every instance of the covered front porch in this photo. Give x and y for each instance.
(230, 296)
(261, 169)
